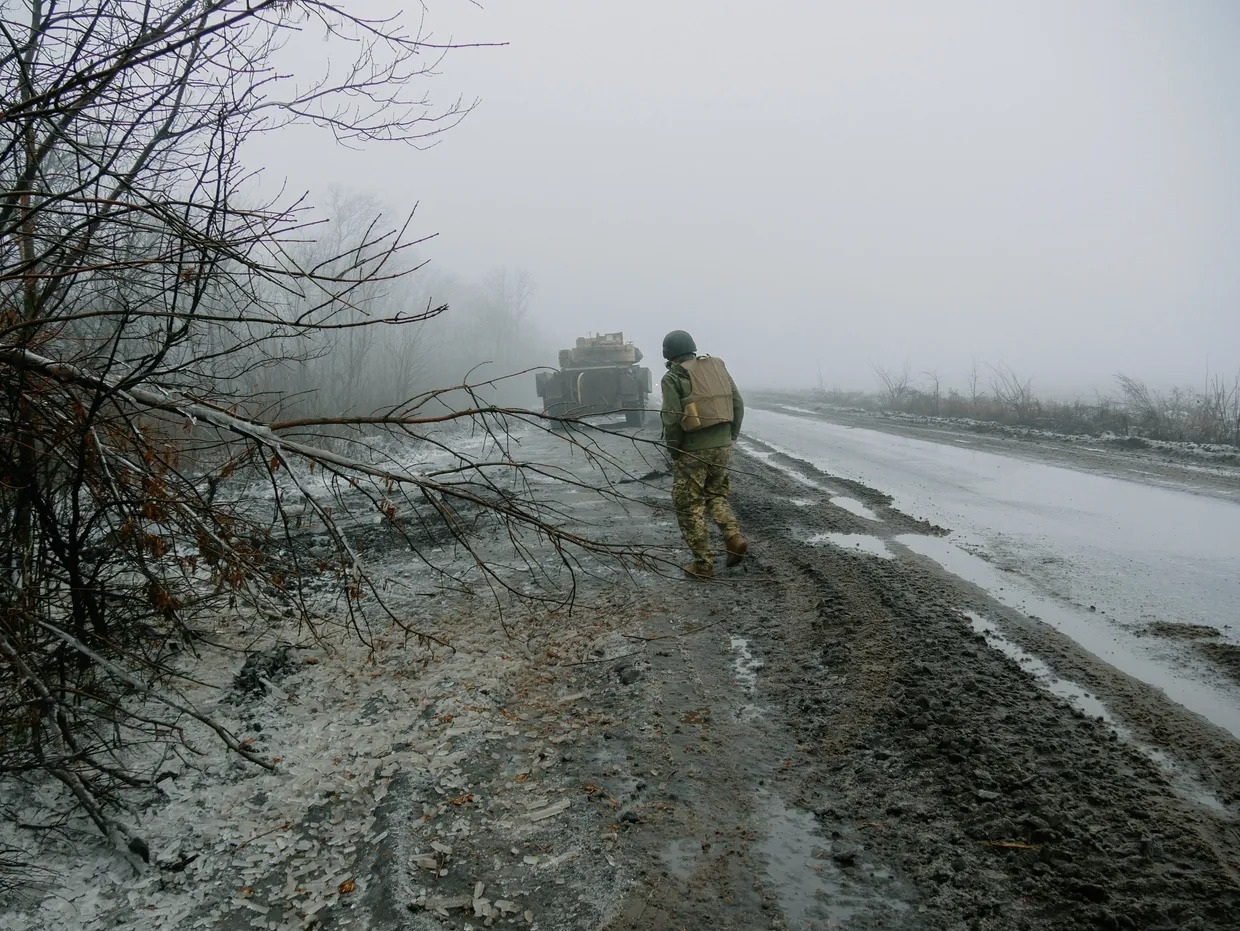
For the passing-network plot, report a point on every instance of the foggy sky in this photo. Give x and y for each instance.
(805, 183)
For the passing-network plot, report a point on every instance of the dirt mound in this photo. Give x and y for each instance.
(1182, 631)
(1225, 655)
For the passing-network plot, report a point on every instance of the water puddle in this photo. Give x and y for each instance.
(745, 664)
(746, 667)
(858, 542)
(769, 458)
(1080, 699)
(853, 506)
(1104, 640)
(682, 857)
(813, 892)
(1069, 691)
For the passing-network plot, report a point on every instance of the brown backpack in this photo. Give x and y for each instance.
(710, 394)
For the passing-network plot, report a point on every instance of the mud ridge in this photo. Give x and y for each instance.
(1002, 805)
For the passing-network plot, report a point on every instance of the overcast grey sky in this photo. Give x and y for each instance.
(1052, 184)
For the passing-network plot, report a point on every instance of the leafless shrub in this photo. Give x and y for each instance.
(1012, 391)
(935, 391)
(896, 384)
(1209, 416)
(974, 379)
(144, 305)
(1143, 404)
(17, 874)
(1217, 411)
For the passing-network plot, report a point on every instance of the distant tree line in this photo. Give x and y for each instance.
(485, 331)
(998, 394)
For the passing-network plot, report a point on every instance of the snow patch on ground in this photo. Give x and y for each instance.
(363, 739)
(284, 844)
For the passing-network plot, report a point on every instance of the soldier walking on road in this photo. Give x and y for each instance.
(702, 412)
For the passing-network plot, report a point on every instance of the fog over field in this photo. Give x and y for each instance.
(335, 593)
(1049, 186)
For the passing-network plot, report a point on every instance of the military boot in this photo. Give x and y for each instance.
(700, 570)
(738, 546)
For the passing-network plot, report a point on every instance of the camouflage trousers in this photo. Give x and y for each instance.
(700, 485)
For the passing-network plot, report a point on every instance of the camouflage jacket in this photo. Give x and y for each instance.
(676, 387)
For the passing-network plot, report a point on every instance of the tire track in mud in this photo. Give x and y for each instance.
(692, 818)
(709, 834)
(936, 755)
(857, 666)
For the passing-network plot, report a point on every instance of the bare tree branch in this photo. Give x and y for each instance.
(189, 373)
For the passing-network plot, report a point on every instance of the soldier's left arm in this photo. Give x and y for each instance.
(673, 408)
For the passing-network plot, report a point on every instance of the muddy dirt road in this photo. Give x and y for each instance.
(850, 750)
(839, 733)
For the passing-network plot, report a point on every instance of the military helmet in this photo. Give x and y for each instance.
(678, 343)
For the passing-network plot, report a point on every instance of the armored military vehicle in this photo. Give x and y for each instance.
(599, 375)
